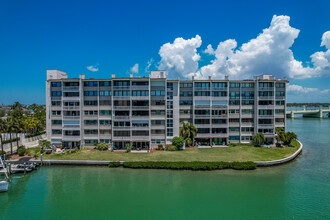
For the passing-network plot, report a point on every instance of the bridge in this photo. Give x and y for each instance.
(309, 113)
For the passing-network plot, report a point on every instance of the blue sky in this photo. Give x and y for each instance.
(116, 35)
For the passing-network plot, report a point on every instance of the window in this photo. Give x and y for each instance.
(234, 85)
(247, 129)
(265, 121)
(266, 93)
(169, 131)
(122, 103)
(281, 102)
(140, 83)
(247, 85)
(265, 112)
(140, 133)
(186, 94)
(140, 103)
(158, 141)
(71, 84)
(88, 131)
(158, 102)
(219, 121)
(234, 95)
(202, 112)
(247, 102)
(71, 94)
(56, 122)
(157, 112)
(266, 85)
(186, 85)
(105, 93)
(56, 93)
(247, 111)
(219, 85)
(105, 122)
(279, 111)
(219, 130)
(140, 123)
(121, 83)
(233, 111)
(122, 93)
(234, 138)
(72, 133)
(157, 131)
(157, 122)
(219, 112)
(169, 122)
(56, 103)
(71, 104)
(280, 85)
(202, 85)
(88, 141)
(107, 141)
(247, 120)
(56, 84)
(90, 93)
(157, 93)
(140, 93)
(234, 120)
(121, 124)
(56, 112)
(185, 102)
(122, 133)
(233, 102)
(219, 94)
(234, 129)
(105, 83)
(105, 102)
(202, 121)
(90, 83)
(248, 95)
(246, 138)
(169, 114)
(56, 131)
(90, 103)
(105, 112)
(278, 94)
(202, 93)
(90, 122)
(203, 130)
(90, 112)
(140, 113)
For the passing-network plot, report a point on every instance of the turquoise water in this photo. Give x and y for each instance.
(298, 190)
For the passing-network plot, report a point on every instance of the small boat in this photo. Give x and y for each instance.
(32, 166)
(20, 169)
(3, 186)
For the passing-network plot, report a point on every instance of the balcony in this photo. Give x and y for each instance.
(202, 89)
(71, 117)
(121, 138)
(208, 135)
(279, 124)
(71, 107)
(219, 89)
(140, 97)
(266, 88)
(219, 116)
(140, 87)
(140, 107)
(140, 128)
(266, 106)
(122, 128)
(122, 107)
(71, 127)
(220, 106)
(234, 124)
(266, 97)
(234, 115)
(121, 88)
(265, 116)
(140, 138)
(71, 138)
(135, 117)
(121, 97)
(71, 98)
(121, 117)
(266, 125)
(70, 88)
(219, 125)
(159, 127)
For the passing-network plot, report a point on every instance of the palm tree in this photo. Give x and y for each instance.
(17, 128)
(279, 134)
(188, 131)
(9, 125)
(3, 128)
(259, 139)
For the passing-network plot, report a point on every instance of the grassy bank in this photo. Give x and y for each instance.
(237, 153)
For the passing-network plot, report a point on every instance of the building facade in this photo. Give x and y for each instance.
(147, 111)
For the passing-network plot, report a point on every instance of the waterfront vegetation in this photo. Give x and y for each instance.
(184, 165)
(239, 153)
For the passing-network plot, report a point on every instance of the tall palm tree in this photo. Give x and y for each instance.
(3, 128)
(188, 131)
(10, 129)
(17, 128)
(259, 139)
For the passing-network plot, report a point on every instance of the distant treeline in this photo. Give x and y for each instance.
(307, 104)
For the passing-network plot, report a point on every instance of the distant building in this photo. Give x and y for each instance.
(147, 111)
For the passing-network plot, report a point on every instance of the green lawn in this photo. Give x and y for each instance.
(238, 153)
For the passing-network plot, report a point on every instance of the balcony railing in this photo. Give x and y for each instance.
(140, 87)
(121, 88)
(70, 88)
(266, 88)
(266, 97)
(71, 138)
(120, 138)
(71, 117)
(121, 117)
(266, 106)
(71, 107)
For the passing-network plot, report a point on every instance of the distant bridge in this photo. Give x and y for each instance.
(308, 113)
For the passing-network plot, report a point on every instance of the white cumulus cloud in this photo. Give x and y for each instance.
(135, 68)
(180, 57)
(92, 68)
(269, 53)
(299, 89)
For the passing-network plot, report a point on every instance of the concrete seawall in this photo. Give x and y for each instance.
(106, 163)
(281, 161)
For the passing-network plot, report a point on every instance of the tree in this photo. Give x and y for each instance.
(188, 130)
(10, 129)
(3, 129)
(258, 139)
(178, 142)
(279, 134)
(288, 137)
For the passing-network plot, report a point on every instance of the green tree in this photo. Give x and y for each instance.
(279, 134)
(188, 130)
(258, 139)
(3, 129)
(178, 142)
(288, 137)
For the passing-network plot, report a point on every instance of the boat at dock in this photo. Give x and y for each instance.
(20, 168)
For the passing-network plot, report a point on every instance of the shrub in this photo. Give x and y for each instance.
(197, 165)
(178, 142)
(160, 147)
(128, 148)
(102, 146)
(21, 151)
(188, 142)
(11, 140)
(35, 134)
(170, 147)
(114, 164)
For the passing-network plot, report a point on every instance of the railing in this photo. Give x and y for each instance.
(140, 107)
(266, 106)
(121, 107)
(121, 117)
(120, 138)
(140, 87)
(69, 98)
(121, 97)
(140, 138)
(71, 117)
(266, 88)
(135, 117)
(122, 128)
(266, 125)
(140, 97)
(202, 106)
(71, 138)
(69, 88)
(266, 116)
(71, 126)
(121, 88)
(140, 128)
(219, 106)
(71, 107)
(202, 89)
(219, 116)
(266, 97)
(219, 89)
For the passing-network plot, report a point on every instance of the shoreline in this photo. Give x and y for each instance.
(106, 163)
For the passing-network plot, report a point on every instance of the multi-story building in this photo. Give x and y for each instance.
(147, 111)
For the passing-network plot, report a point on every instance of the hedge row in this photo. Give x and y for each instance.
(35, 134)
(187, 165)
(11, 140)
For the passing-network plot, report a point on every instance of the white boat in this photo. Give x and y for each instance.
(3, 186)
(19, 168)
